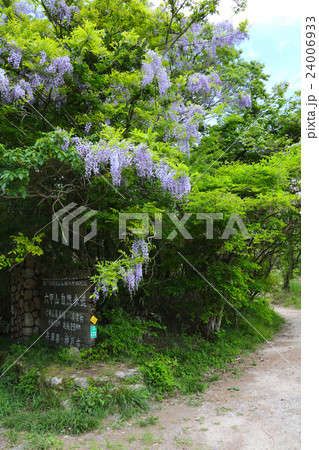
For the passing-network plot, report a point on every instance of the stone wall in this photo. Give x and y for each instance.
(25, 300)
(5, 294)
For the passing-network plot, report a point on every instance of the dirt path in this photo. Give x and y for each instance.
(263, 414)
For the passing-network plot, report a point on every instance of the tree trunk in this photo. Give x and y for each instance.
(214, 323)
(289, 272)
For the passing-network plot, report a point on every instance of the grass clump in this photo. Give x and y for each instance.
(151, 420)
(159, 374)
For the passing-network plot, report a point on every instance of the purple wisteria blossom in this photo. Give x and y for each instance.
(194, 43)
(22, 90)
(125, 154)
(59, 10)
(5, 88)
(143, 162)
(65, 138)
(154, 69)
(199, 82)
(10, 92)
(185, 124)
(177, 187)
(22, 84)
(215, 78)
(207, 86)
(59, 67)
(14, 57)
(29, 9)
(87, 127)
(43, 58)
(244, 102)
(133, 276)
(103, 286)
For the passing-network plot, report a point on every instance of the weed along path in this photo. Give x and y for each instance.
(256, 406)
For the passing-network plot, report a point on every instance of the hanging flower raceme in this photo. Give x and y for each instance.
(29, 9)
(244, 102)
(130, 271)
(59, 10)
(5, 88)
(87, 127)
(184, 128)
(195, 43)
(47, 76)
(133, 276)
(153, 69)
(14, 57)
(198, 82)
(102, 287)
(126, 154)
(203, 84)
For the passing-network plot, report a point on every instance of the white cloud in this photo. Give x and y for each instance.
(261, 11)
(249, 51)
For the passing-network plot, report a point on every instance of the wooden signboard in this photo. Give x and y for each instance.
(66, 310)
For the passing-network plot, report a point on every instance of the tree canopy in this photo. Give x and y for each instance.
(127, 108)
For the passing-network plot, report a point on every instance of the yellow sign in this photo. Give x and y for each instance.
(93, 319)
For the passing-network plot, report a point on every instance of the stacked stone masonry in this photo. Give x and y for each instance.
(25, 300)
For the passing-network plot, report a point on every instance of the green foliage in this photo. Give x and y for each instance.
(291, 297)
(123, 336)
(23, 246)
(91, 400)
(42, 442)
(9, 404)
(262, 320)
(128, 401)
(159, 374)
(58, 421)
(28, 384)
(66, 357)
(150, 420)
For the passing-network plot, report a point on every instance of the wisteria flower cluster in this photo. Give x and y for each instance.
(47, 76)
(245, 102)
(153, 69)
(102, 287)
(29, 9)
(60, 11)
(200, 83)
(193, 42)
(226, 35)
(126, 154)
(133, 276)
(185, 124)
(14, 57)
(87, 127)
(131, 273)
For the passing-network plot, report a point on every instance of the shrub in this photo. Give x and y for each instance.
(159, 373)
(91, 400)
(123, 336)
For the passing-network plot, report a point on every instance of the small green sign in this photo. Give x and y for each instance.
(93, 333)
